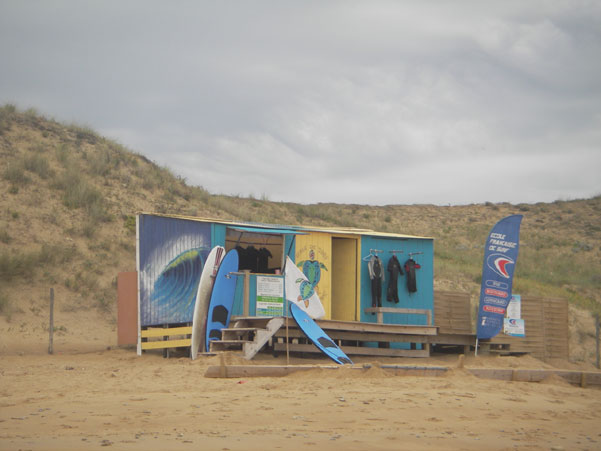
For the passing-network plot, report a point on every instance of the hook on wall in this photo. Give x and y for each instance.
(372, 253)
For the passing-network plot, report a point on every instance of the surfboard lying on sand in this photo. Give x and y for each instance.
(300, 292)
(203, 297)
(222, 298)
(318, 336)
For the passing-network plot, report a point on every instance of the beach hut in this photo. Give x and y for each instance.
(341, 265)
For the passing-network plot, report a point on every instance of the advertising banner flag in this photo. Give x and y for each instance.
(500, 258)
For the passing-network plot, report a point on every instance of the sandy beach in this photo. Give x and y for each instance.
(113, 398)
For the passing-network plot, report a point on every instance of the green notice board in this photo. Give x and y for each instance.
(270, 296)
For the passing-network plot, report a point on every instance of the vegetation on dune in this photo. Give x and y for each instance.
(70, 197)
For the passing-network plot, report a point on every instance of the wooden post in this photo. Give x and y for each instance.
(51, 325)
(597, 335)
(246, 296)
(287, 333)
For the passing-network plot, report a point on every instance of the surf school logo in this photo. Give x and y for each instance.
(498, 263)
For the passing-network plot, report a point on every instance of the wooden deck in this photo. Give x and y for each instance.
(253, 334)
(373, 339)
(357, 338)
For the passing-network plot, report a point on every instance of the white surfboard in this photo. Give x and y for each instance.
(300, 292)
(203, 296)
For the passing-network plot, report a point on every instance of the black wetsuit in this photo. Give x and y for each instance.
(376, 274)
(394, 268)
(410, 267)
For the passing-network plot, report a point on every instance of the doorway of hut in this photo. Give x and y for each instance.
(344, 279)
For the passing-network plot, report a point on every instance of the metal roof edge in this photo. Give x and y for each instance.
(335, 230)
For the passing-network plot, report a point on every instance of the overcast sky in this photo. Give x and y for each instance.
(371, 102)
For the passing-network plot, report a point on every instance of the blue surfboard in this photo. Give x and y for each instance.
(222, 298)
(318, 336)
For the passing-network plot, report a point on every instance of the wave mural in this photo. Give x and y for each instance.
(171, 254)
(174, 291)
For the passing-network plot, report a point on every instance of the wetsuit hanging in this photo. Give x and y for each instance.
(410, 267)
(394, 268)
(243, 259)
(252, 254)
(263, 260)
(376, 274)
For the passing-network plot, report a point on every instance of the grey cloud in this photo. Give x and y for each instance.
(358, 102)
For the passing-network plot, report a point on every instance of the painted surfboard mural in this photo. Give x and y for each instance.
(319, 338)
(176, 287)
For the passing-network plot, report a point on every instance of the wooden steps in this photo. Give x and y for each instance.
(249, 340)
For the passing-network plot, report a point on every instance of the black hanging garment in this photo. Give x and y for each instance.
(252, 255)
(394, 268)
(263, 260)
(376, 274)
(242, 258)
(410, 267)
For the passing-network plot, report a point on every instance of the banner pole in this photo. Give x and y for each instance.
(476, 350)
(286, 302)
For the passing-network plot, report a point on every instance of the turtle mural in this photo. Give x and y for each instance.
(312, 270)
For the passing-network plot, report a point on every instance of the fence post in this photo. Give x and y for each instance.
(51, 325)
(597, 335)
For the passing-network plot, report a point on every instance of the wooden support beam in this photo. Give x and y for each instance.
(284, 370)
(367, 336)
(160, 332)
(355, 350)
(330, 325)
(258, 370)
(186, 342)
(379, 311)
(506, 374)
(590, 378)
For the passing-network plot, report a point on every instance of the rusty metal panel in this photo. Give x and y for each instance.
(127, 308)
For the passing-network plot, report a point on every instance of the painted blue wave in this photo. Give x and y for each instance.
(174, 292)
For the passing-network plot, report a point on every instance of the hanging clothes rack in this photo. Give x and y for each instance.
(372, 253)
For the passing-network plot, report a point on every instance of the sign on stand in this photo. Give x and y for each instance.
(514, 309)
(513, 325)
(270, 296)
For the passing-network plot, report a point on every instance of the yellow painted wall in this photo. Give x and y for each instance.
(317, 246)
